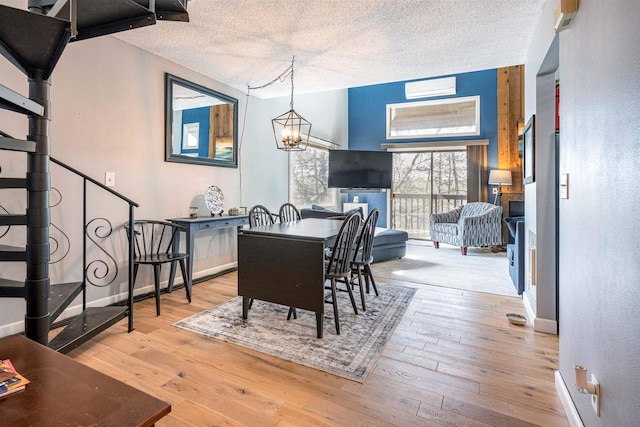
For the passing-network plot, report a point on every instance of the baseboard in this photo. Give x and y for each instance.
(567, 403)
(539, 324)
(74, 310)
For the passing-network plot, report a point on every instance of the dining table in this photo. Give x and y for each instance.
(283, 263)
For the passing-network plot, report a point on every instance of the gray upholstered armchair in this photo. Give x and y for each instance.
(473, 224)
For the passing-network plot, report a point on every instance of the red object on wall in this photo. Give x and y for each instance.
(557, 106)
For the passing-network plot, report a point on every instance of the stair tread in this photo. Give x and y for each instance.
(11, 288)
(60, 296)
(85, 326)
(98, 17)
(13, 253)
(7, 248)
(17, 144)
(10, 100)
(32, 41)
(13, 219)
(13, 183)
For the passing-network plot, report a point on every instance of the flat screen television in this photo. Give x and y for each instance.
(360, 169)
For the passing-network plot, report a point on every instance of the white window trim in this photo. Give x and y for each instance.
(390, 107)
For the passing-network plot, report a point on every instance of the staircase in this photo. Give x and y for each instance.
(33, 41)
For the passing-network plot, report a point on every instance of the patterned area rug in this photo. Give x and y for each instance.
(352, 354)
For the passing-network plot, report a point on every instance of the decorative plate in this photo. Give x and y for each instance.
(214, 199)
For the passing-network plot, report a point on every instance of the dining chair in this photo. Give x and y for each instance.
(259, 215)
(288, 212)
(338, 266)
(362, 258)
(153, 243)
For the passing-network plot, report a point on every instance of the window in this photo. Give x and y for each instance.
(308, 178)
(438, 118)
(190, 135)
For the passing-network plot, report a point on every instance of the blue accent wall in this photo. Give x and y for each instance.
(368, 115)
(197, 115)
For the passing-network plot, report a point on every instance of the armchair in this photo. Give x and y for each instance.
(473, 224)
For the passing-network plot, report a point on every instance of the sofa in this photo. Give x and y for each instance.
(515, 252)
(388, 244)
(472, 224)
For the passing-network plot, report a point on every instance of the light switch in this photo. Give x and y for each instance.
(110, 179)
(564, 186)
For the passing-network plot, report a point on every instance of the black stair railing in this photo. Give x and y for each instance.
(101, 228)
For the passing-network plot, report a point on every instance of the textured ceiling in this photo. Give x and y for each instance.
(341, 44)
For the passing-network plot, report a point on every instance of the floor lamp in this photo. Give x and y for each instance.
(499, 177)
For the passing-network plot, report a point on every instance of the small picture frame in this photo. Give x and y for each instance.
(529, 155)
(242, 210)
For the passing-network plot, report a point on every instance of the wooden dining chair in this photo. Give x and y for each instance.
(259, 215)
(338, 266)
(288, 212)
(362, 258)
(153, 243)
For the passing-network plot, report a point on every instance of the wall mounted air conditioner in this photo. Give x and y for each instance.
(564, 14)
(433, 87)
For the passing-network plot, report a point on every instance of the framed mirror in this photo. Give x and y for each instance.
(201, 125)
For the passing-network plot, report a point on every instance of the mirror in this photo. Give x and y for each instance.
(201, 125)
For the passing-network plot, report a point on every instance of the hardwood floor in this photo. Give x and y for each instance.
(454, 360)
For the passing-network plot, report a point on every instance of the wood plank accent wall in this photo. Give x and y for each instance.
(510, 115)
(221, 128)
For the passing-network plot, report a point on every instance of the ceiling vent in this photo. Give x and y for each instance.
(433, 87)
(564, 14)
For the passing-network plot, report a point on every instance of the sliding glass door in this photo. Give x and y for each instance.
(424, 183)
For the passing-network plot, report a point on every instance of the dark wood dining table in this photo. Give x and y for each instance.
(284, 264)
(64, 392)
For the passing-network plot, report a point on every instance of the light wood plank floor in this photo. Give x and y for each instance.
(454, 360)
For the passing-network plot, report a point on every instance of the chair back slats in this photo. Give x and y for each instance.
(288, 212)
(259, 215)
(364, 244)
(340, 260)
(153, 238)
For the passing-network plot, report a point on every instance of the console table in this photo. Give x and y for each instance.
(65, 392)
(192, 226)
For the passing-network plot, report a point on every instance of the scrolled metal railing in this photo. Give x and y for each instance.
(100, 228)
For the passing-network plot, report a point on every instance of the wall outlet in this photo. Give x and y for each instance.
(495, 191)
(110, 179)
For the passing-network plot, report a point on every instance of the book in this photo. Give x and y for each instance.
(10, 380)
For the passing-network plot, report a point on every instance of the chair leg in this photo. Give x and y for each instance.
(369, 275)
(156, 274)
(292, 311)
(335, 305)
(436, 245)
(187, 284)
(360, 280)
(463, 250)
(351, 297)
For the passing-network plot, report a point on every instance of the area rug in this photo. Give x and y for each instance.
(480, 270)
(352, 354)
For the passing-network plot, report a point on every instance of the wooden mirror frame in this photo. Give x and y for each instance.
(230, 127)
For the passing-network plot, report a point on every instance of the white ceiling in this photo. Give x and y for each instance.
(341, 43)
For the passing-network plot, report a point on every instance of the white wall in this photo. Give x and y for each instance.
(544, 292)
(599, 288)
(108, 115)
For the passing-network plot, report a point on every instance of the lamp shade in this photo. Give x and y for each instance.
(500, 177)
